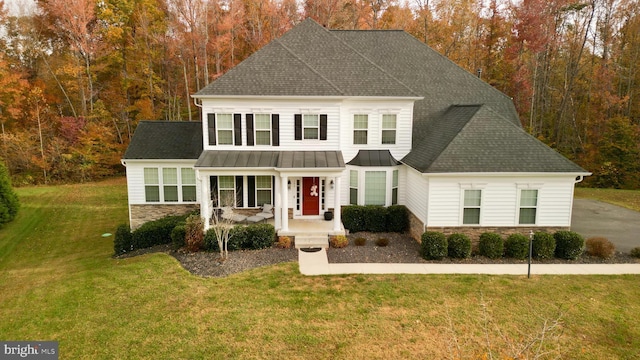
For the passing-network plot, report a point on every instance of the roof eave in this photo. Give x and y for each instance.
(307, 97)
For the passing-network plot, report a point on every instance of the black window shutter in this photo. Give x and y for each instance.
(237, 129)
(211, 120)
(275, 130)
(273, 190)
(214, 190)
(298, 125)
(250, 129)
(323, 127)
(251, 191)
(239, 197)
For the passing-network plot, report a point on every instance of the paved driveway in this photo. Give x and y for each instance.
(595, 218)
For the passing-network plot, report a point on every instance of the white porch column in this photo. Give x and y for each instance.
(278, 203)
(336, 205)
(205, 209)
(284, 213)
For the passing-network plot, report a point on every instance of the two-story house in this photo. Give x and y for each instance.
(319, 119)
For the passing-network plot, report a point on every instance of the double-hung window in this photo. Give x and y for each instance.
(263, 129)
(375, 187)
(353, 187)
(263, 190)
(311, 126)
(528, 206)
(360, 129)
(151, 185)
(170, 184)
(227, 191)
(225, 129)
(394, 188)
(471, 209)
(388, 129)
(188, 177)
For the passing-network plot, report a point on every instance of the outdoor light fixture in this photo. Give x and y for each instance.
(331, 183)
(289, 184)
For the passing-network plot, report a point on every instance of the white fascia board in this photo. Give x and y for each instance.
(508, 174)
(293, 97)
(158, 161)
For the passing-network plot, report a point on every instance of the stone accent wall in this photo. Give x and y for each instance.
(416, 227)
(141, 214)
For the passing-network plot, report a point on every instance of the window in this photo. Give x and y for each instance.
(471, 209)
(263, 190)
(360, 126)
(528, 206)
(188, 177)
(311, 126)
(375, 187)
(170, 184)
(227, 191)
(389, 129)
(353, 187)
(263, 129)
(225, 129)
(151, 185)
(394, 188)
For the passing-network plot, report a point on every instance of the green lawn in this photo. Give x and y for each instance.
(59, 282)
(625, 198)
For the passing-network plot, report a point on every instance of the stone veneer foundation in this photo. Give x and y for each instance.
(141, 214)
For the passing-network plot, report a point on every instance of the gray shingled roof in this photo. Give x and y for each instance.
(270, 159)
(374, 158)
(477, 139)
(308, 60)
(166, 140)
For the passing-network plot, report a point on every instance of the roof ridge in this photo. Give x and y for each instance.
(309, 66)
(371, 61)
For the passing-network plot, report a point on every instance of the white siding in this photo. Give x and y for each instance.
(500, 199)
(417, 192)
(135, 178)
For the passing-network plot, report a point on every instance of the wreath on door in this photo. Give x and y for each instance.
(314, 190)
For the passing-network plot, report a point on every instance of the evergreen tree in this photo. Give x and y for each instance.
(8, 199)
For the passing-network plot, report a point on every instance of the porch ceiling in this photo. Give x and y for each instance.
(270, 159)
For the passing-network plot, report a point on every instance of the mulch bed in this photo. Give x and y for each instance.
(400, 249)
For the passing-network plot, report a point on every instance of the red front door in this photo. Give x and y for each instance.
(310, 196)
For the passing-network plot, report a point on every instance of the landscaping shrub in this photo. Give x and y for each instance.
(259, 236)
(491, 245)
(178, 235)
(237, 238)
(433, 245)
(9, 203)
(211, 241)
(569, 244)
(155, 232)
(194, 233)
(360, 241)
(600, 247)
(375, 218)
(122, 240)
(459, 246)
(397, 218)
(382, 242)
(284, 242)
(353, 218)
(516, 246)
(635, 252)
(544, 245)
(338, 241)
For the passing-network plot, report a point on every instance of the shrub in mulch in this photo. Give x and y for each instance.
(516, 246)
(600, 247)
(491, 245)
(433, 245)
(569, 244)
(338, 241)
(382, 242)
(544, 245)
(360, 241)
(459, 246)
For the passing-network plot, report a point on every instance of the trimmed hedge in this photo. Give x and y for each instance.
(516, 246)
(544, 245)
(491, 245)
(433, 245)
(243, 237)
(374, 218)
(156, 232)
(569, 244)
(178, 235)
(122, 241)
(459, 246)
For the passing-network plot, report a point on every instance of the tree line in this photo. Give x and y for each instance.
(76, 76)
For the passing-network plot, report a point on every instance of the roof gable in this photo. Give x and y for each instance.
(308, 60)
(166, 140)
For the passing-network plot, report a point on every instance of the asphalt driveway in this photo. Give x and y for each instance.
(595, 218)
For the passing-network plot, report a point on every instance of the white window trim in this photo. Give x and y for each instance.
(353, 128)
(217, 120)
(519, 205)
(269, 129)
(471, 186)
(161, 184)
(317, 115)
(362, 170)
(382, 128)
(262, 189)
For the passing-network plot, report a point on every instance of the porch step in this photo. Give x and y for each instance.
(311, 241)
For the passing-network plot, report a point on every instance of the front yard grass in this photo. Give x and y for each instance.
(58, 281)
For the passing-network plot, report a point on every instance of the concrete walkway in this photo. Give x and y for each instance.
(316, 263)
